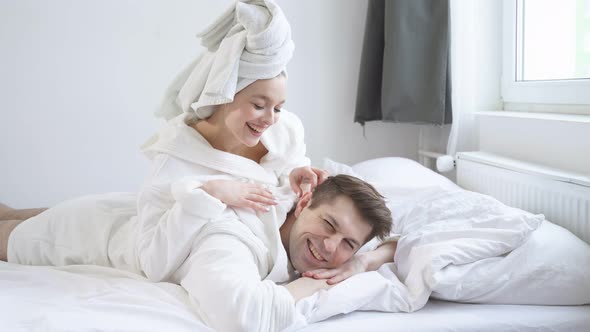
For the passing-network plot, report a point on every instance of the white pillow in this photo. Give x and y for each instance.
(391, 172)
(552, 267)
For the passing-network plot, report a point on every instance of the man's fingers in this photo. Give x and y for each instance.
(312, 273)
(336, 279)
(327, 274)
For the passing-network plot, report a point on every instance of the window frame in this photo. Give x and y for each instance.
(574, 91)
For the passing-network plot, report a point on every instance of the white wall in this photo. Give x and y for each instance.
(323, 82)
(554, 143)
(558, 144)
(79, 81)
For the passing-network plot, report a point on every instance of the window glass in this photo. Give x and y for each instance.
(553, 40)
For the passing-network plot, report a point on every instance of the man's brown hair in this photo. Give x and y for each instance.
(367, 200)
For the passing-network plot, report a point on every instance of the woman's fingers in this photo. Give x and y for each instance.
(256, 206)
(261, 199)
(321, 174)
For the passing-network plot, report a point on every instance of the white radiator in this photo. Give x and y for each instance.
(564, 198)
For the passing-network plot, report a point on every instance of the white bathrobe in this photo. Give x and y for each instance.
(174, 231)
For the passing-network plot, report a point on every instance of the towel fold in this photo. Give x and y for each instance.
(250, 41)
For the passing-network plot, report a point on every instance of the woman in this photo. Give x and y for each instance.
(227, 137)
(228, 142)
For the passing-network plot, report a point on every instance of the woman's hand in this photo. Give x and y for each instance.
(309, 177)
(239, 194)
(356, 264)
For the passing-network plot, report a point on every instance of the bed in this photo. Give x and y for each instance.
(80, 298)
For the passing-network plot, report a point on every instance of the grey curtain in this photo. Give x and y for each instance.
(404, 74)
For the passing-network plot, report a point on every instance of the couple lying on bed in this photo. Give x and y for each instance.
(216, 213)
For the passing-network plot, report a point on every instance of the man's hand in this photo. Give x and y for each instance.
(308, 177)
(356, 264)
(304, 287)
(239, 194)
(367, 261)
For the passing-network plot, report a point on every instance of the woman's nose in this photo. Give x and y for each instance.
(269, 116)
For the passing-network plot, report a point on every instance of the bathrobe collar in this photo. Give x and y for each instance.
(181, 141)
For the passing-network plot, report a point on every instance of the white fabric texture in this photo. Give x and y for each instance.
(456, 245)
(552, 267)
(225, 272)
(439, 228)
(91, 298)
(250, 41)
(180, 153)
(439, 316)
(171, 213)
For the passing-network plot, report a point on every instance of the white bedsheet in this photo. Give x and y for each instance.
(439, 316)
(90, 298)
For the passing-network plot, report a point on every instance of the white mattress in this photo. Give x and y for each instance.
(93, 298)
(439, 316)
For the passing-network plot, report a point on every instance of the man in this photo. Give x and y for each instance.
(229, 270)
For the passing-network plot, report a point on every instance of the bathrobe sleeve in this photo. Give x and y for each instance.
(286, 145)
(170, 215)
(223, 277)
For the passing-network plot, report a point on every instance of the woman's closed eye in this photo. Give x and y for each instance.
(258, 107)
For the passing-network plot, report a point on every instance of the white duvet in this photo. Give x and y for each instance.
(455, 245)
(440, 228)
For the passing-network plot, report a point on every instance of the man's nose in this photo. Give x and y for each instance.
(331, 243)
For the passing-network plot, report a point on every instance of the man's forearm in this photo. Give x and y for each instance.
(383, 254)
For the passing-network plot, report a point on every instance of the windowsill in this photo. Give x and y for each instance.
(537, 116)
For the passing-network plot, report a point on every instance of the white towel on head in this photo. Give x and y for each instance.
(250, 41)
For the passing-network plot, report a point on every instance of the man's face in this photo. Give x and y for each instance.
(326, 236)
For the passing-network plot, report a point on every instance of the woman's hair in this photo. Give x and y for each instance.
(367, 200)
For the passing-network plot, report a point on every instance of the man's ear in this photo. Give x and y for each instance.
(303, 203)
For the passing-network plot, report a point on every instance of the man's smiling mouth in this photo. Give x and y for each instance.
(314, 251)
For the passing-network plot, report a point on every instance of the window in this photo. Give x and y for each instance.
(546, 52)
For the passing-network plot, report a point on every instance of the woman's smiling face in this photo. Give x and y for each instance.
(255, 109)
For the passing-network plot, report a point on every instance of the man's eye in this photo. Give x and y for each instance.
(350, 244)
(331, 226)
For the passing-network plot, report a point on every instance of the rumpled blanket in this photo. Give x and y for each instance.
(439, 228)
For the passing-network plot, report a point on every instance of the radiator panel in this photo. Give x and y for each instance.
(564, 203)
